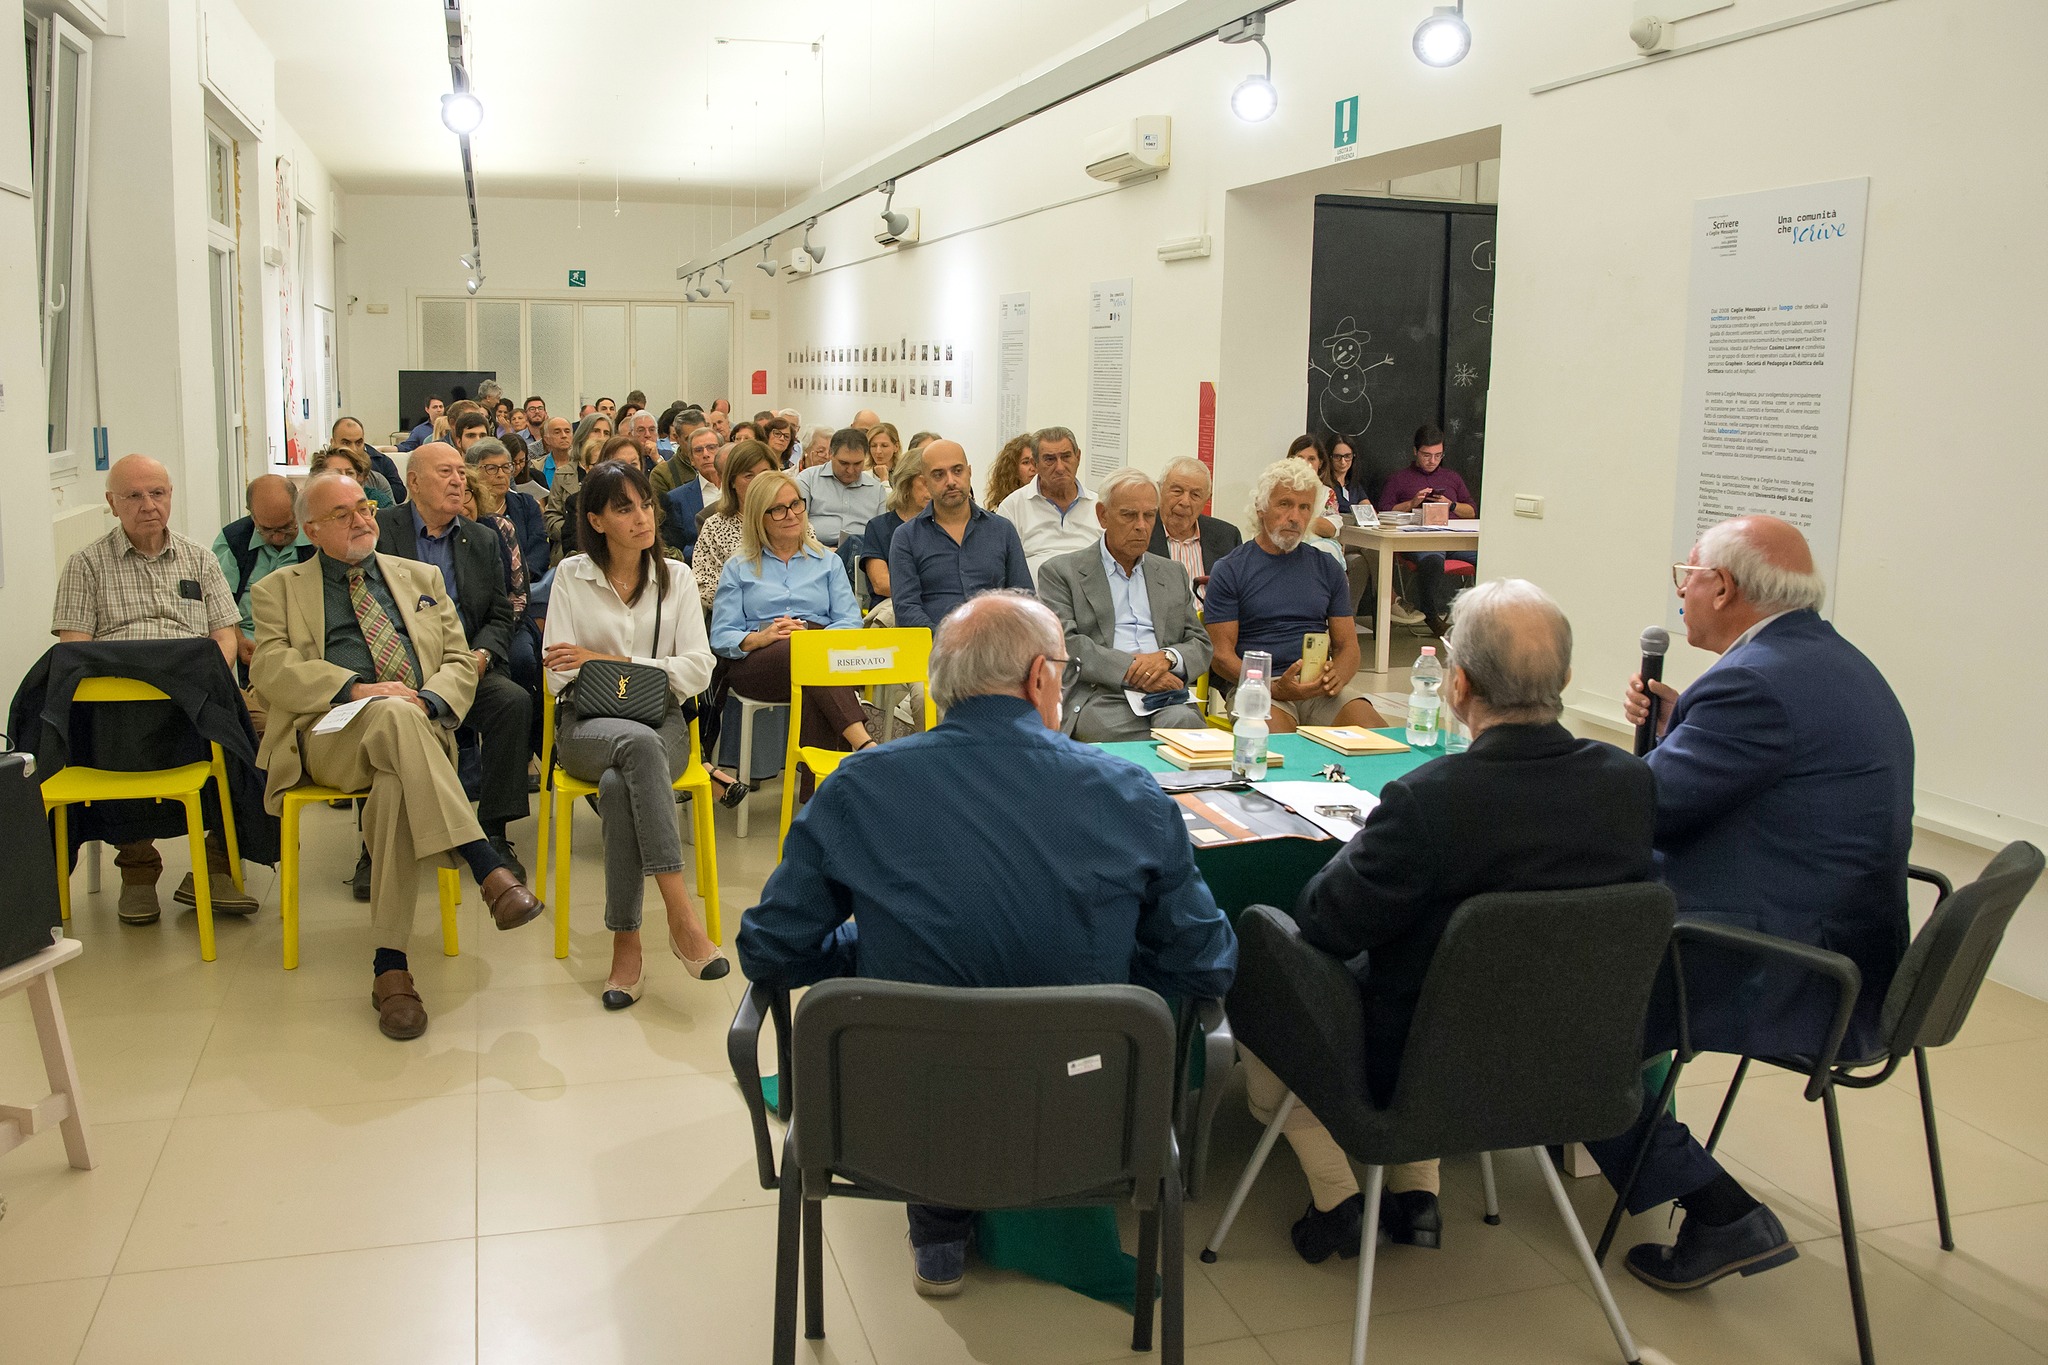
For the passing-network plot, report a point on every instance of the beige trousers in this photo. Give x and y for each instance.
(1330, 1179)
(416, 809)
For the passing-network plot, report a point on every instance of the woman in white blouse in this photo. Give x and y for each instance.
(608, 604)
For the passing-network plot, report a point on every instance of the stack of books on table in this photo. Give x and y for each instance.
(1351, 740)
(1198, 750)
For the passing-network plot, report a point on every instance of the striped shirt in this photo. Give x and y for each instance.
(1188, 554)
(112, 591)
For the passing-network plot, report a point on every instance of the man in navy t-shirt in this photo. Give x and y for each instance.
(1271, 591)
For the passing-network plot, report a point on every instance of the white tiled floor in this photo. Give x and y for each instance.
(537, 1180)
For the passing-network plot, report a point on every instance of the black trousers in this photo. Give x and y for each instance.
(932, 1225)
(501, 716)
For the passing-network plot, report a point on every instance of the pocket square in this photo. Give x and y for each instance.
(425, 602)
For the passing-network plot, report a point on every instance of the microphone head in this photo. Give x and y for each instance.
(1656, 640)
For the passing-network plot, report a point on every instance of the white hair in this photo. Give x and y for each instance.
(1515, 646)
(1292, 474)
(1185, 464)
(820, 432)
(304, 495)
(1127, 477)
(1766, 586)
(985, 646)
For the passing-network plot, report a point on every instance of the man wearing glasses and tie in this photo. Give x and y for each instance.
(351, 625)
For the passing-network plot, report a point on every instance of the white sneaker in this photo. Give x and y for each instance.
(1403, 614)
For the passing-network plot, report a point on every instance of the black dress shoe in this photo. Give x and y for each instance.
(503, 848)
(1412, 1218)
(360, 882)
(1752, 1243)
(1316, 1234)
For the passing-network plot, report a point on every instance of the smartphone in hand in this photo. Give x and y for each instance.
(1315, 652)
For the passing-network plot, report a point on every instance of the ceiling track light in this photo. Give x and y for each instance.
(816, 253)
(895, 224)
(766, 265)
(1256, 99)
(1443, 38)
(724, 284)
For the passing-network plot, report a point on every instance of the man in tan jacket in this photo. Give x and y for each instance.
(351, 625)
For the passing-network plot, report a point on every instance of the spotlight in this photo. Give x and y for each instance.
(816, 253)
(462, 112)
(1442, 39)
(473, 283)
(724, 284)
(467, 264)
(766, 265)
(703, 290)
(1256, 99)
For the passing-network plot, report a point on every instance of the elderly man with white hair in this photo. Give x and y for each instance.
(1272, 591)
(1131, 622)
(1053, 864)
(1185, 534)
(1785, 804)
(1527, 808)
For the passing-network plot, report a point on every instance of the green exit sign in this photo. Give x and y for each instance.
(576, 277)
(1347, 123)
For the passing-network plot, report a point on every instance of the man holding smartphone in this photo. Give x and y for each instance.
(1291, 600)
(1427, 481)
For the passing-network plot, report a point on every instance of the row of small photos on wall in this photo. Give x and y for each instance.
(931, 372)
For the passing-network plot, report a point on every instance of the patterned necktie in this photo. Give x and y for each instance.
(387, 649)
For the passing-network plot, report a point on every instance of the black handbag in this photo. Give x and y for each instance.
(29, 918)
(607, 689)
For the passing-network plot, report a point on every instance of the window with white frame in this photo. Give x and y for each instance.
(60, 107)
(573, 352)
(224, 297)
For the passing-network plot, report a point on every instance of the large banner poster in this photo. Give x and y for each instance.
(1769, 357)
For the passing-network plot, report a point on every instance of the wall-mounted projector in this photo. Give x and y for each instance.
(897, 228)
(1133, 151)
(800, 263)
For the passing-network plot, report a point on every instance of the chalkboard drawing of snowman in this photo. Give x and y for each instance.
(1345, 407)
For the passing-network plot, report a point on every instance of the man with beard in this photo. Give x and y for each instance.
(952, 549)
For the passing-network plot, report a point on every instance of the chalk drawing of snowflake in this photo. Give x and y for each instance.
(1463, 376)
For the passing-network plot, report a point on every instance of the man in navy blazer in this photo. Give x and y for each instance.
(1784, 804)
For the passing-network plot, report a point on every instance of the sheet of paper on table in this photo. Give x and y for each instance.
(1303, 797)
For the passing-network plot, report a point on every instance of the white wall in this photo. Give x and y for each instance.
(403, 246)
(1597, 183)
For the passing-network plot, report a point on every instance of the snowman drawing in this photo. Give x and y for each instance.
(1345, 407)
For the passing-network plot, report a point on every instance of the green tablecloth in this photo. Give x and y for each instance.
(1080, 1248)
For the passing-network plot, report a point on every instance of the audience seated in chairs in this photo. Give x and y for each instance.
(782, 581)
(556, 451)
(1785, 805)
(1527, 808)
(885, 447)
(952, 549)
(492, 459)
(484, 505)
(1113, 896)
(144, 581)
(1185, 534)
(430, 528)
(679, 466)
(908, 495)
(718, 538)
(1270, 592)
(622, 600)
(681, 508)
(1053, 513)
(351, 624)
(586, 446)
(248, 549)
(1130, 622)
(841, 494)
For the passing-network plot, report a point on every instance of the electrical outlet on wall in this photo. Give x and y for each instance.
(1529, 505)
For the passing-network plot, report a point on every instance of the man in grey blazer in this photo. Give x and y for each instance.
(1130, 621)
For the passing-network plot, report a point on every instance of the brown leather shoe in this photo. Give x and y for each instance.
(511, 903)
(399, 1012)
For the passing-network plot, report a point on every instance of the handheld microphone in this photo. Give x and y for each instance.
(1656, 640)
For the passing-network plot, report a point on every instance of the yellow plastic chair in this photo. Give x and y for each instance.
(81, 786)
(845, 658)
(450, 880)
(560, 810)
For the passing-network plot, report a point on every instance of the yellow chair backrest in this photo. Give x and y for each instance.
(859, 658)
(117, 689)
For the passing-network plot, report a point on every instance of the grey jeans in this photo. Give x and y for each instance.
(633, 768)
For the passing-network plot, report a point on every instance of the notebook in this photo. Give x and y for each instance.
(1352, 740)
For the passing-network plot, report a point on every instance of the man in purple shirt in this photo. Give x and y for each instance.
(1428, 481)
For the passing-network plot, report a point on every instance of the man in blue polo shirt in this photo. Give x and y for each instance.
(952, 549)
(1272, 591)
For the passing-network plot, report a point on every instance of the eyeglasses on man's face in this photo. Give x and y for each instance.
(362, 511)
(787, 511)
(1681, 572)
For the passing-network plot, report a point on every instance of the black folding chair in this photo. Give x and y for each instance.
(1528, 1034)
(1927, 1005)
(972, 1098)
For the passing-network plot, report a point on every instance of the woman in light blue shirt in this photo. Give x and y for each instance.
(782, 581)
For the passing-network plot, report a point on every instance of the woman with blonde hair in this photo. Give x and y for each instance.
(1014, 467)
(718, 534)
(783, 581)
(908, 495)
(885, 454)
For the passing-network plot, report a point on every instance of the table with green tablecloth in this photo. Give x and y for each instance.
(1273, 871)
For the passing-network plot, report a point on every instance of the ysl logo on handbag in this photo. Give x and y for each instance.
(622, 687)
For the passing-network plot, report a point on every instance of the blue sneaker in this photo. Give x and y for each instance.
(938, 1269)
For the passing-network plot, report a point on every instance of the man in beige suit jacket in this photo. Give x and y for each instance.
(352, 625)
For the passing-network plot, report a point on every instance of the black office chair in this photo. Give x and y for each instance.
(971, 1098)
(1926, 1006)
(1528, 1034)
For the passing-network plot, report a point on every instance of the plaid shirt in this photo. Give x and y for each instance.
(112, 591)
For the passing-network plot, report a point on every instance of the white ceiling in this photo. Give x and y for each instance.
(637, 96)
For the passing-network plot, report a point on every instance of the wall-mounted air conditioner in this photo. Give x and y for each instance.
(1133, 151)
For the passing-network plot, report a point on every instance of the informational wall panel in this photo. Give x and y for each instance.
(1109, 378)
(1769, 359)
(1013, 364)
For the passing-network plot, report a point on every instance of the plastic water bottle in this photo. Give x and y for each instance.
(1253, 704)
(1425, 683)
